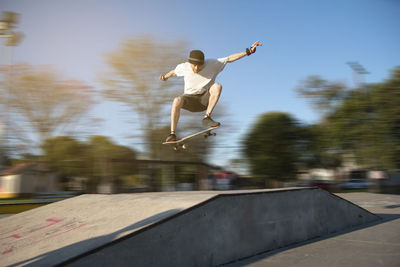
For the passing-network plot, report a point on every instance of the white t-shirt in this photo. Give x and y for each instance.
(197, 83)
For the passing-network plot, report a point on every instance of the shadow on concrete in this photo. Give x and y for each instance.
(266, 254)
(86, 247)
(392, 206)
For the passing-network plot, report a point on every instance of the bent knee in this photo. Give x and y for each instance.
(216, 88)
(178, 101)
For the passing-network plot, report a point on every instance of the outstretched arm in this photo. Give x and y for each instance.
(248, 52)
(168, 75)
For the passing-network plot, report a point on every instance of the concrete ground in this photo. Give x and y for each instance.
(376, 244)
(5, 215)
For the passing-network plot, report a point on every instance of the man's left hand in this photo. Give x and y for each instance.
(254, 46)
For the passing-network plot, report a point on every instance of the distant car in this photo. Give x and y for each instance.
(356, 184)
(323, 184)
(223, 180)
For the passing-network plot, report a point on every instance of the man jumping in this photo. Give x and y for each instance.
(201, 91)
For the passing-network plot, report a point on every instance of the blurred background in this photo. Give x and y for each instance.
(83, 109)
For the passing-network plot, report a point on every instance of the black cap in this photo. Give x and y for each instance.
(196, 57)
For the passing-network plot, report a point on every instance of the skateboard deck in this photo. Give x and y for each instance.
(181, 142)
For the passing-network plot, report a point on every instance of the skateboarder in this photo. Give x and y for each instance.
(201, 91)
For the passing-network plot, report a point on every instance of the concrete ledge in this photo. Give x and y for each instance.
(231, 226)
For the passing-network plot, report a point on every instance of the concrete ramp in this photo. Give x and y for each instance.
(172, 229)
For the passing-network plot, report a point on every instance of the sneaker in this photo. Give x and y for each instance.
(171, 138)
(207, 121)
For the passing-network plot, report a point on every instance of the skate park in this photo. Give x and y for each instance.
(90, 91)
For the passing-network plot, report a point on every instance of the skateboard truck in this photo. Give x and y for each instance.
(181, 142)
(209, 133)
(183, 146)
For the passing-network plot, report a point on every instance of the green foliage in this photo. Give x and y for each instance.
(98, 159)
(65, 155)
(109, 160)
(362, 122)
(271, 146)
(323, 94)
(367, 124)
(316, 148)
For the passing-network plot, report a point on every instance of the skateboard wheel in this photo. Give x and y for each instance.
(184, 146)
(176, 148)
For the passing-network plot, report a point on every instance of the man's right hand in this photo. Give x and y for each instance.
(167, 76)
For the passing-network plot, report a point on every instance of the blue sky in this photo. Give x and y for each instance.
(301, 38)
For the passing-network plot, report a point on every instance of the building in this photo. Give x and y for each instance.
(25, 180)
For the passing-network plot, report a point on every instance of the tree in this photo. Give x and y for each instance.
(134, 80)
(361, 122)
(367, 124)
(38, 101)
(98, 159)
(323, 94)
(108, 161)
(271, 146)
(316, 149)
(65, 156)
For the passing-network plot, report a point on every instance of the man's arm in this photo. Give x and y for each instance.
(168, 75)
(236, 56)
(248, 52)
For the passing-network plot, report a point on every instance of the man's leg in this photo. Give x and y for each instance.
(175, 112)
(215, 92)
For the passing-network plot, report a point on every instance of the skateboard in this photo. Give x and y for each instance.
(181, 142)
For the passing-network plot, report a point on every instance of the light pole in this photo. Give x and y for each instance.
(8, 23)
(358, 73)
